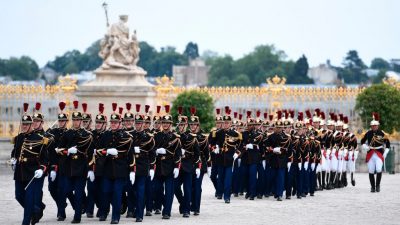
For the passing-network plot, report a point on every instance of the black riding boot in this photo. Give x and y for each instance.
(378, 182)
(372, 181)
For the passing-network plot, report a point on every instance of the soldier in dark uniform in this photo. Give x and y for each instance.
(119, 163)
(75, 150)
(315, 152)
(230, 152)
(29, 161)
(266, 162)
(57, 134)
(95, 174)
(215, 151)
(377, 145)
(168, 150)
(278, 144)
(190, 164)
(253, 147)
(202, 140)
(144, 154)
(351, 144)
(237, 176)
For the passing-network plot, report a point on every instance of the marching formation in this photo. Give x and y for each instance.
(138, 163)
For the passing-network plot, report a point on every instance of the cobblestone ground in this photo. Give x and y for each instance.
(351, 205)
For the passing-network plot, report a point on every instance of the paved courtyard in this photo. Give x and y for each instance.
(351, 205)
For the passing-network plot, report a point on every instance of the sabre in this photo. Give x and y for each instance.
(26, 187)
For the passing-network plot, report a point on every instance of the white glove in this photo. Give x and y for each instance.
(299, 165)
(151, 173)
(289, 164)
(161, 151)
(216, 150)
(365, 147)
(38, 173)
(305, 165)
(183, 151)
(137, 149)
(176, 173)
(385, 153)
(264, 164)
(58, 150)
(132, 177)
(235, 156)
(90, 175)
(72, 150)
(249, 146)
(197, 173)
(355, 155)
(13, 163)
(53, 175)
(112, 151)
(312, 166)
(209, 171)
(277, 150)
(328, 152)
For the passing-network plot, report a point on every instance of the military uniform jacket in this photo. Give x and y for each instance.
(315, 149)
(53, 157)
(118, 166)
(75, 165)
(98, 160)
(146, 159)
(254, 155)
(295, 156)
(166, 163)
(231, 145)
(377, 141)
(205, 156)
(217, 138)
(245, 137)
(191, 158)
(278, 161)
(266, 153)
(30, 152)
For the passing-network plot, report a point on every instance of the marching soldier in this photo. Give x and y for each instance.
(215, 141)
(119, 164)
(202, 139)
(353, 152)
(168, 151)
(144, 154)
(190, 164)
(29, 161)
(377, 145)
(96, 166)
(54, 158)
(75, 154)
(266, 162)
(315, 151)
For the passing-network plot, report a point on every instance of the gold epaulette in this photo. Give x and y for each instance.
(213, 133)
(240, 136)
(45, 141)
(194, 135)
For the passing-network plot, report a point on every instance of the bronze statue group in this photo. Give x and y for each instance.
(135, 163)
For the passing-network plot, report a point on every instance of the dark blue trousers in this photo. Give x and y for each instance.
(166, 185)
(260, 179)
(306, 179)
(236, 177)
(213, 177)
(130, 196)
(196, 194)
(312, 174)
(112, 192)
(227, 179)
(289, 179)
(93, 194)
(252, 185)
(140, 186)
(68, 185)
(184, 179)
(149, 193)
(26, 198)
(220, 180)
(268, 179)
(279, 175)
(55, 192)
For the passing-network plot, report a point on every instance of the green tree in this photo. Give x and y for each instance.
(353, 67)
(23, 68)
(191, 50)
(203, 103)
(379, 64)
(147, 58)
(221, 71)
(383, 99)
(299, 73)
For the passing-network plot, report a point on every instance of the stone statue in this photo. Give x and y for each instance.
(118, 50)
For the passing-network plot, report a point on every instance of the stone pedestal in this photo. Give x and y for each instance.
(117, 85)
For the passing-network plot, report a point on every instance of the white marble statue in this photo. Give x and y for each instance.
(118, 50)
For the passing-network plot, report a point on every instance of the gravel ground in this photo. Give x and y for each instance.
(351, 205)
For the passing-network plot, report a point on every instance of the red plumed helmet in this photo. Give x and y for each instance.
(323, 115)
(137, 108)
(227, 110)
(235, 114)
(114, 106)
(308, 114)
(26, 105)
(167, 108)
(101, 108)
(193, 110)
(271, 117)
(218, 111)
(128, 106)
(76, 104)
(300, 116)
(341, 116)
(258, 113)
(248, 113)
(180, 110)
(37, 106)
(279, 113)
(345, 120)
(158, 109)
(265, 115)
(240, 116)
(84, 107)
(318, 111)
(291, 112)
(332, 116)
(61, 105)
(120, 110)
(146, 108)
(375, 116)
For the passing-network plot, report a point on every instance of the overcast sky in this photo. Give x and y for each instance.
(320, 29)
